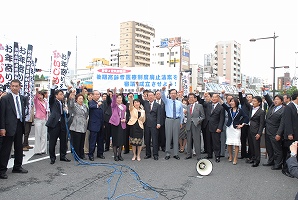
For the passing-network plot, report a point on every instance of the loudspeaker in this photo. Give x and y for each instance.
(204, 167)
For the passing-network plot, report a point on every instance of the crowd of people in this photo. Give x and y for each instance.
(163, 120)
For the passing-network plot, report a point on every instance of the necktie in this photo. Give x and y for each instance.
(212, 108)
(190, 109)
(19, 109)
(61, 111)
(151, 106)
(174, 109)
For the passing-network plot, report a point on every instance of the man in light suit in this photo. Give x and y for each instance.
(12, 128)
(195, 116)
(152, 124)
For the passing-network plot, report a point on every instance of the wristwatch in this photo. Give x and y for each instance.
(293, 154)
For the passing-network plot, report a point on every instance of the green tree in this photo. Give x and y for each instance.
(42, 77)
(36, 77)
(291, 90)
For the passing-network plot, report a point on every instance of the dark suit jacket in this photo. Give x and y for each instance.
(107, 110)
(291, 121)
(245, 106)
(215, 119)
(162, 112)
(257, 121)
(238, 119)
(293, 166)
(55, 110)
(8, 114)
(96, 117)
(152, 115)
(273, 120)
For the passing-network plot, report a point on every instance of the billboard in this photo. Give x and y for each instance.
(150, 78)
(170, 42)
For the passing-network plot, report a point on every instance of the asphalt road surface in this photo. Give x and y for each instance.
(147, 179)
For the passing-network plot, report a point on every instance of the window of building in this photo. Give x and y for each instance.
(37, 85)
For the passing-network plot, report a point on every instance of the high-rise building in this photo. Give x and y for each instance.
(228, 61)
(170, 52)
(114, 52)
(134, 49)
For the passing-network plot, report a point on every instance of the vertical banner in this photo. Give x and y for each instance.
(2, 65)
(15, 60)
(59, 68)
(185, 83)
(30, 96)
(7, 64)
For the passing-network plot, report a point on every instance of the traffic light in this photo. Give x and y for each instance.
(38, 70)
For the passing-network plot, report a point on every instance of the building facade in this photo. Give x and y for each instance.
(228, 62)
(134, 49)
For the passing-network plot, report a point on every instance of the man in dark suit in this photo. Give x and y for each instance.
(195, 115)
(56, 124)
(152, 124)
(204, 101)
(245, 102)
(290, 128)
(107, 113)
(95, 123)
(274, 131)
(12, 128)
(161, 131)
(215, 117)
(292, 162)
(256, 126)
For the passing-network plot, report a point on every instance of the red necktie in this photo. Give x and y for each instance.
(190, 109)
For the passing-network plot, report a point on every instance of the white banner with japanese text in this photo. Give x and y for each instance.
(148, 77)
(59, 68)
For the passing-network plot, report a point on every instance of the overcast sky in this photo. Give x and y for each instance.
(54, 24)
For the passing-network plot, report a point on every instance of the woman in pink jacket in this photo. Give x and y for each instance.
(40, 120)
(118, 125)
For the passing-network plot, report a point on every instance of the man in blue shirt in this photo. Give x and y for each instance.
(174, 120)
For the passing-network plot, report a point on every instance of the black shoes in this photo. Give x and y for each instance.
(65, 159)
(208, 157)
(167, 157)
(91, 158)
(146, 157)
(188, 157)
(116, 158)
(120, 158)
(3, 176)
(101, 156)
(155, 157)
(217, 159)
(287, 174)
(176, 157)
(256, 164)
(20, 170)
(250, 161)
(268, 164)
(276, 167)
(52, 161)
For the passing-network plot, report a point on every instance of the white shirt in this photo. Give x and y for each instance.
(15, 103)
(254, 110)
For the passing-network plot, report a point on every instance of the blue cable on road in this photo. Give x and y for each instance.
(117, 170)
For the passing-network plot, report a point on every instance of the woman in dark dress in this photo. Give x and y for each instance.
(136, 121)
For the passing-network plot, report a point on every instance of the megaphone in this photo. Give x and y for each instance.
(204, 167)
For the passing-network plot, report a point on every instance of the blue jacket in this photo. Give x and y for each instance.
(95, 116)
(239, 118)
